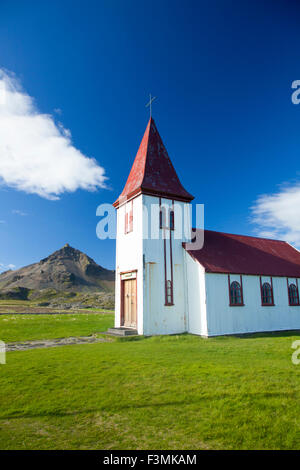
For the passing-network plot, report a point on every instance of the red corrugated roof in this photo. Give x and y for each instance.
(152, 171)
(240, 254)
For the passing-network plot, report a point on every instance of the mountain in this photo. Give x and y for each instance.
(64, 270)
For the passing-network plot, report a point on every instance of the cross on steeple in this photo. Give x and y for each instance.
(152, 98)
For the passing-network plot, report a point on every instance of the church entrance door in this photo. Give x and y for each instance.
(129, 309)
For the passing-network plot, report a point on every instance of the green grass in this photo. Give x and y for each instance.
(45, 326)
(176, 392)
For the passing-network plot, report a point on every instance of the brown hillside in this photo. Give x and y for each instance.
(66, 269)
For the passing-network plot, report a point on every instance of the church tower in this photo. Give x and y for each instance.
(153, 220)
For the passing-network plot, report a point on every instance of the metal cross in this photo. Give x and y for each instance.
(152, 98)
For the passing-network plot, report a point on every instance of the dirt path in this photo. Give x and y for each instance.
(51, 343)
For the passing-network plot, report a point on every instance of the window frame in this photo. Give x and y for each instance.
(241, 303)
(172, 219)
(162, 217)
(169, 299)
(166, 216)
(270, 284)
(296, 290)
(129, 218)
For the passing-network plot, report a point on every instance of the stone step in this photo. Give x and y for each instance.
(122, 331)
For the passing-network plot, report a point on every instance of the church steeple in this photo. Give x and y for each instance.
(152, 171)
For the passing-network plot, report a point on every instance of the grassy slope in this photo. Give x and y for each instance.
(161, 392)
(30, 327)
(57, 300)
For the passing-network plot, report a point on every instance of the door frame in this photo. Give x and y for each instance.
(122, 281)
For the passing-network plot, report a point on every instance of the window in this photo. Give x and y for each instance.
(293, 295)
(162, 217)
(235, 292)
(266, 294)
(129, 217)
(130, 221)
(166, 217)
(169, 293)
(172, 219)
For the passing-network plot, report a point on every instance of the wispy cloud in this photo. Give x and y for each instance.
(36, 154)
(19, 212)
(278, 215)
(5, 267)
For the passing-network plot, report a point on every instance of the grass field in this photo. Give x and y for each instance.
(173, 392)
(46, 326)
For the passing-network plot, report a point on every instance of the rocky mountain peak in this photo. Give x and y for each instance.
(65, 269)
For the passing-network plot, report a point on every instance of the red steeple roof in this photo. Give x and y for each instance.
(152, 171)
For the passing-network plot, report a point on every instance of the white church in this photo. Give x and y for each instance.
(166, 284)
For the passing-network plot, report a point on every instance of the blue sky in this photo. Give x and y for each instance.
(222, 71)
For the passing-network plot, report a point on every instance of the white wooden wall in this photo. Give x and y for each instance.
(158, 318)
(129, 256)
(252, 317)
(201, 300)
(196, 293)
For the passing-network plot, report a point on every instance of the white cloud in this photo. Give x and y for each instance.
(5, 267)
(18, 212)
(36, 154)
(278, 215)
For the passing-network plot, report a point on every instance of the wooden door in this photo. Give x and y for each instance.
(129, 303)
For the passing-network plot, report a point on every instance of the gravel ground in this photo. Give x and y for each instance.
(51, 343)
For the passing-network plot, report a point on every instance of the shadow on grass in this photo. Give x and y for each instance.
(263, 334)
(268, 334)
(131, 406)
